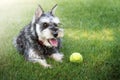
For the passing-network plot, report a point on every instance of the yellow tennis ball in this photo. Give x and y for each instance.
(76, 57)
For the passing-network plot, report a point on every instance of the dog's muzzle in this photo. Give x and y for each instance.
(55, 34)
(54, 31)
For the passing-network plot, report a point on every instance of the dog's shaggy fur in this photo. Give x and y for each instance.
(41, 38)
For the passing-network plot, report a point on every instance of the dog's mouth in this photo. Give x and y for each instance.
(53, 42)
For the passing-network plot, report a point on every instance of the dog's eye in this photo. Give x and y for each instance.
(45, 25)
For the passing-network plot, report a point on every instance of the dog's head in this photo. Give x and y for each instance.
(47, 27)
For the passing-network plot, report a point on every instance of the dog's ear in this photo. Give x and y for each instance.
(53, 9)
(38, 12)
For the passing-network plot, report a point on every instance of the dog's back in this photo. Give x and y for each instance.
(20, 41)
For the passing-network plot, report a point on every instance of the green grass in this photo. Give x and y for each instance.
(92, 27)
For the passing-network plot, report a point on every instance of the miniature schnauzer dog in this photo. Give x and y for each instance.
(41, 38)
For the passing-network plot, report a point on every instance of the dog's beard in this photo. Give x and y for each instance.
(46, 36)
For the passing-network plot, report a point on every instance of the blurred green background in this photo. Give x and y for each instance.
(92, 27)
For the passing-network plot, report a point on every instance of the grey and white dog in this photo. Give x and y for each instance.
(41, 38)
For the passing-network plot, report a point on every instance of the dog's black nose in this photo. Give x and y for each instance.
(54, 31)
(55, 34)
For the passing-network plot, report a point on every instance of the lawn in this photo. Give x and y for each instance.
(92, 27)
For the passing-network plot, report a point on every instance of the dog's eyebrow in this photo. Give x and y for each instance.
(45, 19)
(56, 20)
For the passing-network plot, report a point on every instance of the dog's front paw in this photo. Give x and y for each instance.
(57, 57)
(47, 66)
(44, 63)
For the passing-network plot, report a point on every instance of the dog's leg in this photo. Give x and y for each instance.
(40, 61)
(33, 57)
(57, 56)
